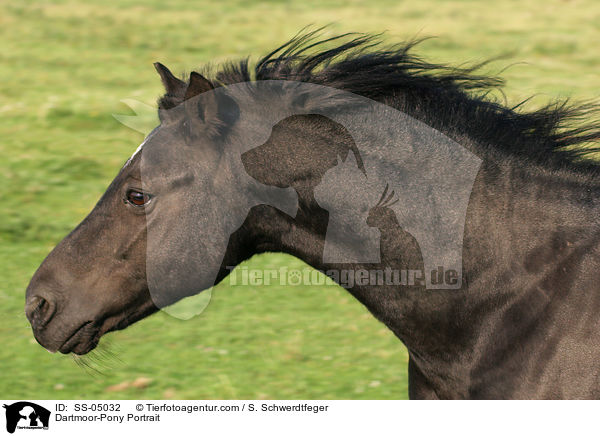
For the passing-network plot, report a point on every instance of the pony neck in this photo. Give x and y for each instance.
(526, 227)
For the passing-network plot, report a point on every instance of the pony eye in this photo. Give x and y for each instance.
(137, 198)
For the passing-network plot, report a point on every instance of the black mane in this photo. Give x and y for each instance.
(456, 101)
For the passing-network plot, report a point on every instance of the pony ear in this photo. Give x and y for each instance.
(172, 84)
(212, 113)
(198, 84)
(203, 111)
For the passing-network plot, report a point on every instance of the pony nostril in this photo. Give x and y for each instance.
(39, 311)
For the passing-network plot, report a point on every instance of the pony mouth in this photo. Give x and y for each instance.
(83, 340)
(87, 336)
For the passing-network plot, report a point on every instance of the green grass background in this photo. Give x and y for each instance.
(65, 66)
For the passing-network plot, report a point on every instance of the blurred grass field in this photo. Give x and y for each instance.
(65, 66)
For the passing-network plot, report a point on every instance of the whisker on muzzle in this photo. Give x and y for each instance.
(99, 360)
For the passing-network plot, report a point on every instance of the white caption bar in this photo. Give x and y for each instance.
(150, 417)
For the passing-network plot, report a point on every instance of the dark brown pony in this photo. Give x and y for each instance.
(525, 320)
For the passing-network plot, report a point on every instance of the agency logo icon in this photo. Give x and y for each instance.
(26, 415)
(382, 178)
